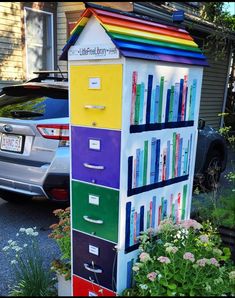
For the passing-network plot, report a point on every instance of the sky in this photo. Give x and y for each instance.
(230, 7)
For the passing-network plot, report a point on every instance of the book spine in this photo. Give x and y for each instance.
(190, 103)
(168, 160)
(141, 218)
(168, 99)
(128, 224)
(184, 202)
(180, 156)
(186, 105)
(133, 96)
(138, 225)
(160, 100)
(153, 160)
(176, 102)
(149, 95)
(135, 226)
(184, 98)
(141, 110)
(153, 108)
(153, 212)
(194, 89)
(180, 100)
(137, 167)
(173, 155)
(137, 104)
(157, 160)
(177, 154)
(145, 162)
(179, 207)
(171, 110)
(157, 98)
(164, 164)
(132, 226)
(141, 168)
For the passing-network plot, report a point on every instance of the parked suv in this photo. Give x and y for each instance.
(34, 141)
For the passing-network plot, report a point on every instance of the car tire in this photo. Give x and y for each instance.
(212, 170)
(13, 197)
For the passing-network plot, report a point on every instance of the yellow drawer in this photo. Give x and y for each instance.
(96, 95)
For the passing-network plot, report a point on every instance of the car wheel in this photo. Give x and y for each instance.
(212, 170)
(14, 197)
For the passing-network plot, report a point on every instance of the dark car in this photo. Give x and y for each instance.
(211, 157)
(34, 142)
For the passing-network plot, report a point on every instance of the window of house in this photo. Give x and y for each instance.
(38, 41)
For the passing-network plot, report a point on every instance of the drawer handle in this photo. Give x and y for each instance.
(87, 267)
(87, 165)
(95, 107)
(96, 221)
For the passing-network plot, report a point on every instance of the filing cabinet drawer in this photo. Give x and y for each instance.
(95, 259)
(96, 210)
(84, 288)
(96, 95)
(96, 155)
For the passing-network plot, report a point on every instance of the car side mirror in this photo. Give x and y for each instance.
(201, 123)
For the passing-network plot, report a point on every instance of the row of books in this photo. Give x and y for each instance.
(148, 106)
(166, 163)
(150, 216)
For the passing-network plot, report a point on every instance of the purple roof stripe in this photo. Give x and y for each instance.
(162, 57)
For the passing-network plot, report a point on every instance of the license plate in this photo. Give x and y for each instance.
(12, 143)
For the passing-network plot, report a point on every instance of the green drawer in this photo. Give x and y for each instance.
(95, 210)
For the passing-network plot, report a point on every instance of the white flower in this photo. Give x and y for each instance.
(25, 245)
(35, 234)
(13, 262)
(22, 230)
(34, 228)
(10, 241)
(143, 286)
(16, 248)
(5, 248)
(29, 231)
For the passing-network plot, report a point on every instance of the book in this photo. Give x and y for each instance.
(176, 102)
(183, 214)
(160, 100)
(157, 160)
(177, 154)
(156, 105)
(141, 218)
(145, 162)
(153, 160)
(133, 96)
(173, 155)
(153, 212)
(128, 223)
(184, 97)
(153, 109)
(186, 106)
(194, 89)
(168, 98)
(149, 95)
(137, 104)
(137, 175)
(171, 109)
(164, 164)
(132, 226)
(190, 103)
(141, 168)
(168, 160)
(141, 109)
(180, 100)
(180, 156)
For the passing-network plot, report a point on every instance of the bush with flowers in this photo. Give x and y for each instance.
(184, 259)
(32, 277)
(61, 234)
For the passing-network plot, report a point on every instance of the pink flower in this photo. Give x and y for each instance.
(202, 262)
(214, 262)
(189, 256)
(190, 223)
(172, 249)
(152, 276)
(144, 257)
(164, 259)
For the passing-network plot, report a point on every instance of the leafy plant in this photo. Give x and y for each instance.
(61, 234)
(32, 276)
(185, 259)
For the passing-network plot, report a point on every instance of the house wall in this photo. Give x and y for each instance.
(65, 12)
(11, 58)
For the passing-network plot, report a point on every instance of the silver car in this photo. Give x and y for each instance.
(34, 140)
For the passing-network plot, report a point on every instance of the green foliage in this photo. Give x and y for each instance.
(185, 259)
(217, 42)
(61, 234)
(32, 277)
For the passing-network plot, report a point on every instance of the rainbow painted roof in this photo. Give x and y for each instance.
(139, 38)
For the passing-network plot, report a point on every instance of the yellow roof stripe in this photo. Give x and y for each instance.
(82, 22)
(148, 35)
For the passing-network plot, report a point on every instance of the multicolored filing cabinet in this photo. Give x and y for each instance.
(134, 101)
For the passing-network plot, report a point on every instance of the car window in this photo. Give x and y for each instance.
(33, 107)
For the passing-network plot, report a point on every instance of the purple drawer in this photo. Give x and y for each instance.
(95, 260)
(96, 155)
